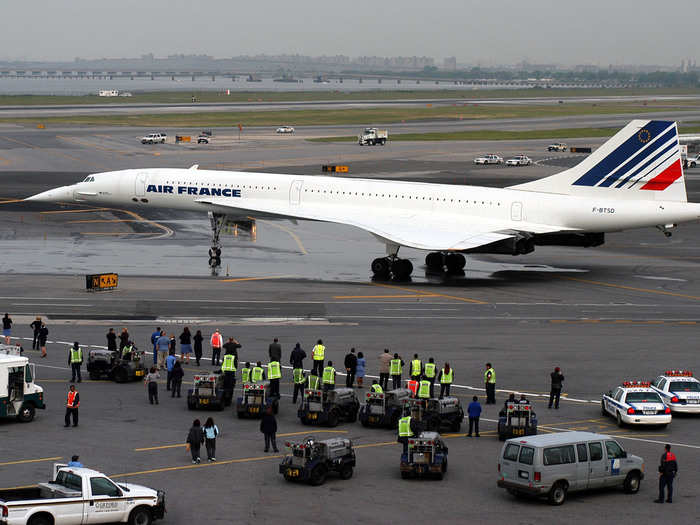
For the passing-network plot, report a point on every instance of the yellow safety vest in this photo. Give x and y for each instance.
(229, 363)
(245, 374)
(493, 376)
(415, 367)
(424, 389)
(377, 389)
(76, 356)
(257, 374)
(319, 352)
(312, 382)
(430, 370)
(446, 377)
(405, 427)
(273, 370)
(395, 367)
(298, 376)
(329, 375)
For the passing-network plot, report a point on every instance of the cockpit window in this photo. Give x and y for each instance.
(89, 178)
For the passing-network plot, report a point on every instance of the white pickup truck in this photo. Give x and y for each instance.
(81, 495)
(154, 138)
(372, 137)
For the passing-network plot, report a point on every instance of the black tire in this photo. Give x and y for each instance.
(240, 415)
(618, 418)
(402, 269)
(557, 494)
(40, 519)
(405, 475)
(26, 413)
(191, 405)
(380, 267)
(501, 437)
(304, 420)
(365, 422)
(455, 262)
(434, 261)
(346, 472)
(121, 375)
(632, 482)
(456, 424)
(352, 415)
(318, 475)
(602, 409)
(444, 465)
(140, 516)
(333, 418)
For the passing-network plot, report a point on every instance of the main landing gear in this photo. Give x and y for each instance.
(385, 268)
(452, 262)
(217, 221)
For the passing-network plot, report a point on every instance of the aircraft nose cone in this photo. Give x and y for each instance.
(58, 194)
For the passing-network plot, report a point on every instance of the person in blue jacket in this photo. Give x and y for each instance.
(154, 339)
(474, 412)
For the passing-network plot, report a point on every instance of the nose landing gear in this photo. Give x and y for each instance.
(217, 221)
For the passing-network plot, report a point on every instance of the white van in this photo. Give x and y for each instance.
(553, 464)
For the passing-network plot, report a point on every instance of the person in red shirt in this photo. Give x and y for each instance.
(667, 472)
(72, 404)
(216, 343)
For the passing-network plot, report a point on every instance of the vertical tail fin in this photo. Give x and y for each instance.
(640, 162)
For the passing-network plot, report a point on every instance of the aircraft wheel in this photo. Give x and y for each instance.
(455, 262)
(434, 261)
(402, 269)
(381, 268)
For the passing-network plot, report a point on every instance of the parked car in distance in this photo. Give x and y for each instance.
(519, 160)
(557, 146)
(489, 158)
(285, 129)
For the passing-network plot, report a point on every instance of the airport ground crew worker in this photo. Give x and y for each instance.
(429, 371)
(319, 354)
(667, 472)
(405, 432)
(416, 368)
(555, 391)
(245, 373)
(228, 368)
(490, 384)
(446, 378)
(216, 343)
(72, 405)
(424, 389)
(376, 387)
(299, 379)
(274, 373)
(231, 347)
(112, 340)
(257, 374)
(75, 360)
(395, 368)
(474, 412)
(384, 367)
(312, 382)
(154, 341)
(128, 350)
(329, 377)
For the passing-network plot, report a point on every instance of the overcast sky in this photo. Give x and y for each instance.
(475, 31)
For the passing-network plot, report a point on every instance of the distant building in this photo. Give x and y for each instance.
(450, 63)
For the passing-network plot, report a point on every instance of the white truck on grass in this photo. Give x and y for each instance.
(81, 495)
(19, 395)
(372, 137)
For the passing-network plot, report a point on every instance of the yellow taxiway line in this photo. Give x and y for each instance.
(22, 461)
(632, 288)
(241, 279)
(434, 294)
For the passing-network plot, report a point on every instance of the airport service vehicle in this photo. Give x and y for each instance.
(372, 137)
(19, 395)
(635, 403)
(154, 138)
(285, 129)
(436, 414)
(203, 139)
(311, 461)
(517, 419)
(634, 180)
(80, 495)
(426, 457)
(489, 158)
(694, 162)
(552, 465)
(206, 393)
(328, 408)
(519, 160)
(679, 390)
(255, 400)
(557, 146)
(384, 409)
(107, 364)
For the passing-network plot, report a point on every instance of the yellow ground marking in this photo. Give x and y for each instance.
(429, 294)
(8, 201)
(631, 288)
(408, 296)
(115, 233)
(22, 461)
(102, 220)
(199, 465)
(287, 230)
(241, 279)
(88, 210)
(313, 432)
(160, 447)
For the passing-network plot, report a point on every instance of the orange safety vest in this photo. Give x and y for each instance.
(216, 340)
(71, 400)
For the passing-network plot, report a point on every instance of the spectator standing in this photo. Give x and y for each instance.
(111, 340)
(163, 346)
(75, 462)
(350, 368)
(151, 383)
(43, 337)
(172, 345)
(555, 392)
(123, 339)
(75, 361)
(231, 347)
(176, 381)
(474, 412)
(211, 431)
(7, 328)
(361, 363)
(36, 328)
(198, 338)
(275, 351)
(384, 366)
(154, 340)
(268, 426)
(169, 366)
(216, 343)
(186, 344)
(296, 359)
(195, 438)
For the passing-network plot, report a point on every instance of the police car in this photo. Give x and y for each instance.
(679, 390)
(519, 160)
(636, 403)
(489, 158)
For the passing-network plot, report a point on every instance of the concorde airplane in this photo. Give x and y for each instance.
(634, 180)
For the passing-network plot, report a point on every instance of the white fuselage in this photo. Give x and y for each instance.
(519, 210)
